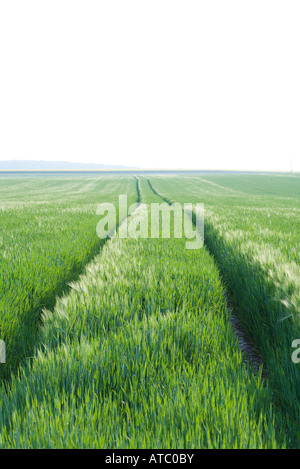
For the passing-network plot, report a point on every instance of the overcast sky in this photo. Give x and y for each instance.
(156, 83)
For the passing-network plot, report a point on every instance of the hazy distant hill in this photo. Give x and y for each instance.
(19, 165)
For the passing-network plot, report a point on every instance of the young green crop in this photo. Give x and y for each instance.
(47, 235)
(140, 354)
(252, 229)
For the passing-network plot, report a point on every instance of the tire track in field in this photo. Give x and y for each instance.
(138, 189)
(250, 354)
(62, 288)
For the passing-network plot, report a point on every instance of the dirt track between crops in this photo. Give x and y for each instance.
(248, 350)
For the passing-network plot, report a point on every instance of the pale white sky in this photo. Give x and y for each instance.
(157, 83)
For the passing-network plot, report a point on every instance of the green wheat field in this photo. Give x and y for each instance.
(129, 343)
